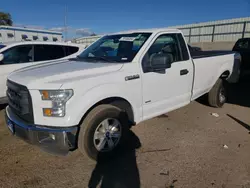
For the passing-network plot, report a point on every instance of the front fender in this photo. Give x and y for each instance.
(80, 104)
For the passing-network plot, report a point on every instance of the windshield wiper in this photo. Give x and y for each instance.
(100, 58)
(79, 58)
(103, 58)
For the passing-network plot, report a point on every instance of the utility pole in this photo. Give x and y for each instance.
(65, 23)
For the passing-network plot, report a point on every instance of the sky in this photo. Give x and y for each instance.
(85, 16)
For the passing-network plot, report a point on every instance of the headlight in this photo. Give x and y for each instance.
(58, 99)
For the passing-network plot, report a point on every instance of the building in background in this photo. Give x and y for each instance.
(11, 34)
(222, 30)
(214, 35)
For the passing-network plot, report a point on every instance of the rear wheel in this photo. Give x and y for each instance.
(217, 95)
(102, 132)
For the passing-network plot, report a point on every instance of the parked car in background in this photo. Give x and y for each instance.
(16, 55)
(122, 79)
(242, 46)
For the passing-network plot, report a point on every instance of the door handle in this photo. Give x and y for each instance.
(184, 72)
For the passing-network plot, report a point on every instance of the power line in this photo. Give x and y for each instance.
(65, 23)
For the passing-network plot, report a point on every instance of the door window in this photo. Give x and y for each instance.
(18, 54)
(55, 39)
(24, 37)
(165, 44)
(48, 52)
(242, 45)
(45, 38)
(35, 37)
(10, 35)
(71, 49)
(184, 51)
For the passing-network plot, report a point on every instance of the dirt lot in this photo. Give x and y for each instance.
(186, 148)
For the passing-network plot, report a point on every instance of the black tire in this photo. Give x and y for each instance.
(214, 98)
(91, 122)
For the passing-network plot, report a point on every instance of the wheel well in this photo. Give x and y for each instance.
(121, 103)
(225, 74)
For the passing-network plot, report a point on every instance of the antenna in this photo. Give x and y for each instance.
(65, 23)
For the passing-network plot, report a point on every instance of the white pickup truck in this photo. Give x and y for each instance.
(122, 79)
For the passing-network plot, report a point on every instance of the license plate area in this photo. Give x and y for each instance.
(11, 126)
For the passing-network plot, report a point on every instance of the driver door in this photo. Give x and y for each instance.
(167, 89)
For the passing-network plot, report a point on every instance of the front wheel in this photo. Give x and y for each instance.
(102, 132)
(217, 95)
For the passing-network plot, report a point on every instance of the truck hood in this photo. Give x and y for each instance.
(53, 75)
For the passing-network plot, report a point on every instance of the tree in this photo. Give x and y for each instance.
(5, 19)
(93, 34)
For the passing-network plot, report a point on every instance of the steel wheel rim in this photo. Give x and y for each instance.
(107, 135)
(222, 96)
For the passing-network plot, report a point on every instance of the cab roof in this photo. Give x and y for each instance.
(14, 43)
(156, 30)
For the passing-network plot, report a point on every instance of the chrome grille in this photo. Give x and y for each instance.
(19, 101)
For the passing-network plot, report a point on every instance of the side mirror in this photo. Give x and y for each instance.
(161, 61)
(1, 57)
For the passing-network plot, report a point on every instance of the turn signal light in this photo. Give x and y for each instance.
(47, 111)
(45, 95)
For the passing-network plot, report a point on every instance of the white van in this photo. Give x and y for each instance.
(16, 55)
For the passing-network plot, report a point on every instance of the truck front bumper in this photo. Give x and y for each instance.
(58, 141)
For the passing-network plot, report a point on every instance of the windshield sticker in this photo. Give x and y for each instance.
(128, 39)
(124, 58)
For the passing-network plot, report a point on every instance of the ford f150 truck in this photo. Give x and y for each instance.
(122, 79)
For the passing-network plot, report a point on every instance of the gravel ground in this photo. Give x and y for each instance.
(185, 148)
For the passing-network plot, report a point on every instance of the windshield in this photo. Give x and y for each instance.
(242, 44)
(115, 48)
(2, 46)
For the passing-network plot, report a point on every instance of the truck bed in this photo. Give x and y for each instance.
(209, 65)
(203, 54)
